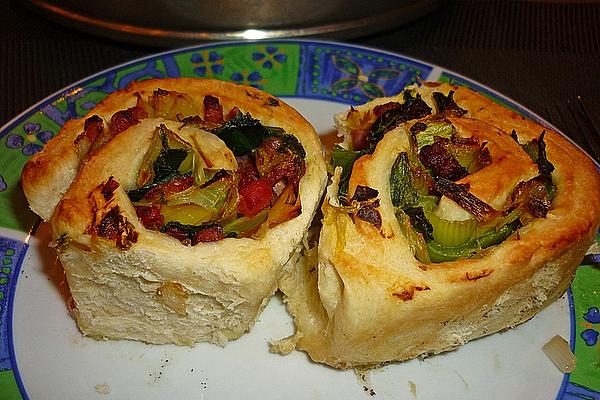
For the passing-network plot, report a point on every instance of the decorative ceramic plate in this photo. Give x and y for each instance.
(44, 356)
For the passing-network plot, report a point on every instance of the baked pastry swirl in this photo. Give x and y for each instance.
(449, 217)
(174, 205)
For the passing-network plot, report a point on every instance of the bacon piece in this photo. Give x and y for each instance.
(360, 139)
(124, 119)
(254, 197)
(213, 110)
(291, 170)
(92, 128)
(210, 233)
(175, 185)
(150, 216)
(382, 108)
(232, 113)
(178, 232)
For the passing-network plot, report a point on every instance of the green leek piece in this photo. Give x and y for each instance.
(451, 233)
(466, 157)
(245, 224)
(210, 196)
(340, 157)
(188, 214)
(242, 133)
(417, 243)
(167, 157)
(401, 189)
(440, 129)
(439, 253)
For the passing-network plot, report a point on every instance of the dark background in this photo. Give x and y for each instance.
(537, 53)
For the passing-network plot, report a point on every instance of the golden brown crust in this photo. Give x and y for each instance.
(129, 282)
(368, 301)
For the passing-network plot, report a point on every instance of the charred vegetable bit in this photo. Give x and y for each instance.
(364, 193)
(440, 161)
(408, 198)
(242, 133)
(533, 197)
(394, 115)
(447, 154)
(459, 193)
(419, 222)
(280, 157)
(447, 105)
(182, 192)
(537, 151)
(364, 205)
(370, 214)
(160, 173)
(114, 226)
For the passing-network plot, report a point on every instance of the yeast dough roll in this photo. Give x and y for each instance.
(174, 205)
(449, 217)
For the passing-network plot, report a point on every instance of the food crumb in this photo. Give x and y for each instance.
(413, 388)
(102, 388)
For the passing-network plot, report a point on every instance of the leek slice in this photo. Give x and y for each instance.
(164, 157)
(451, 233)
(440, 253)
(427, 136)
(401, 190)
(196, 165)
(188, 214)
(341, 157)
(245, 224)
(416, 241)
(208, 197)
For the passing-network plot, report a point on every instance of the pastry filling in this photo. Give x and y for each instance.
(211, 177)
(432, 170)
